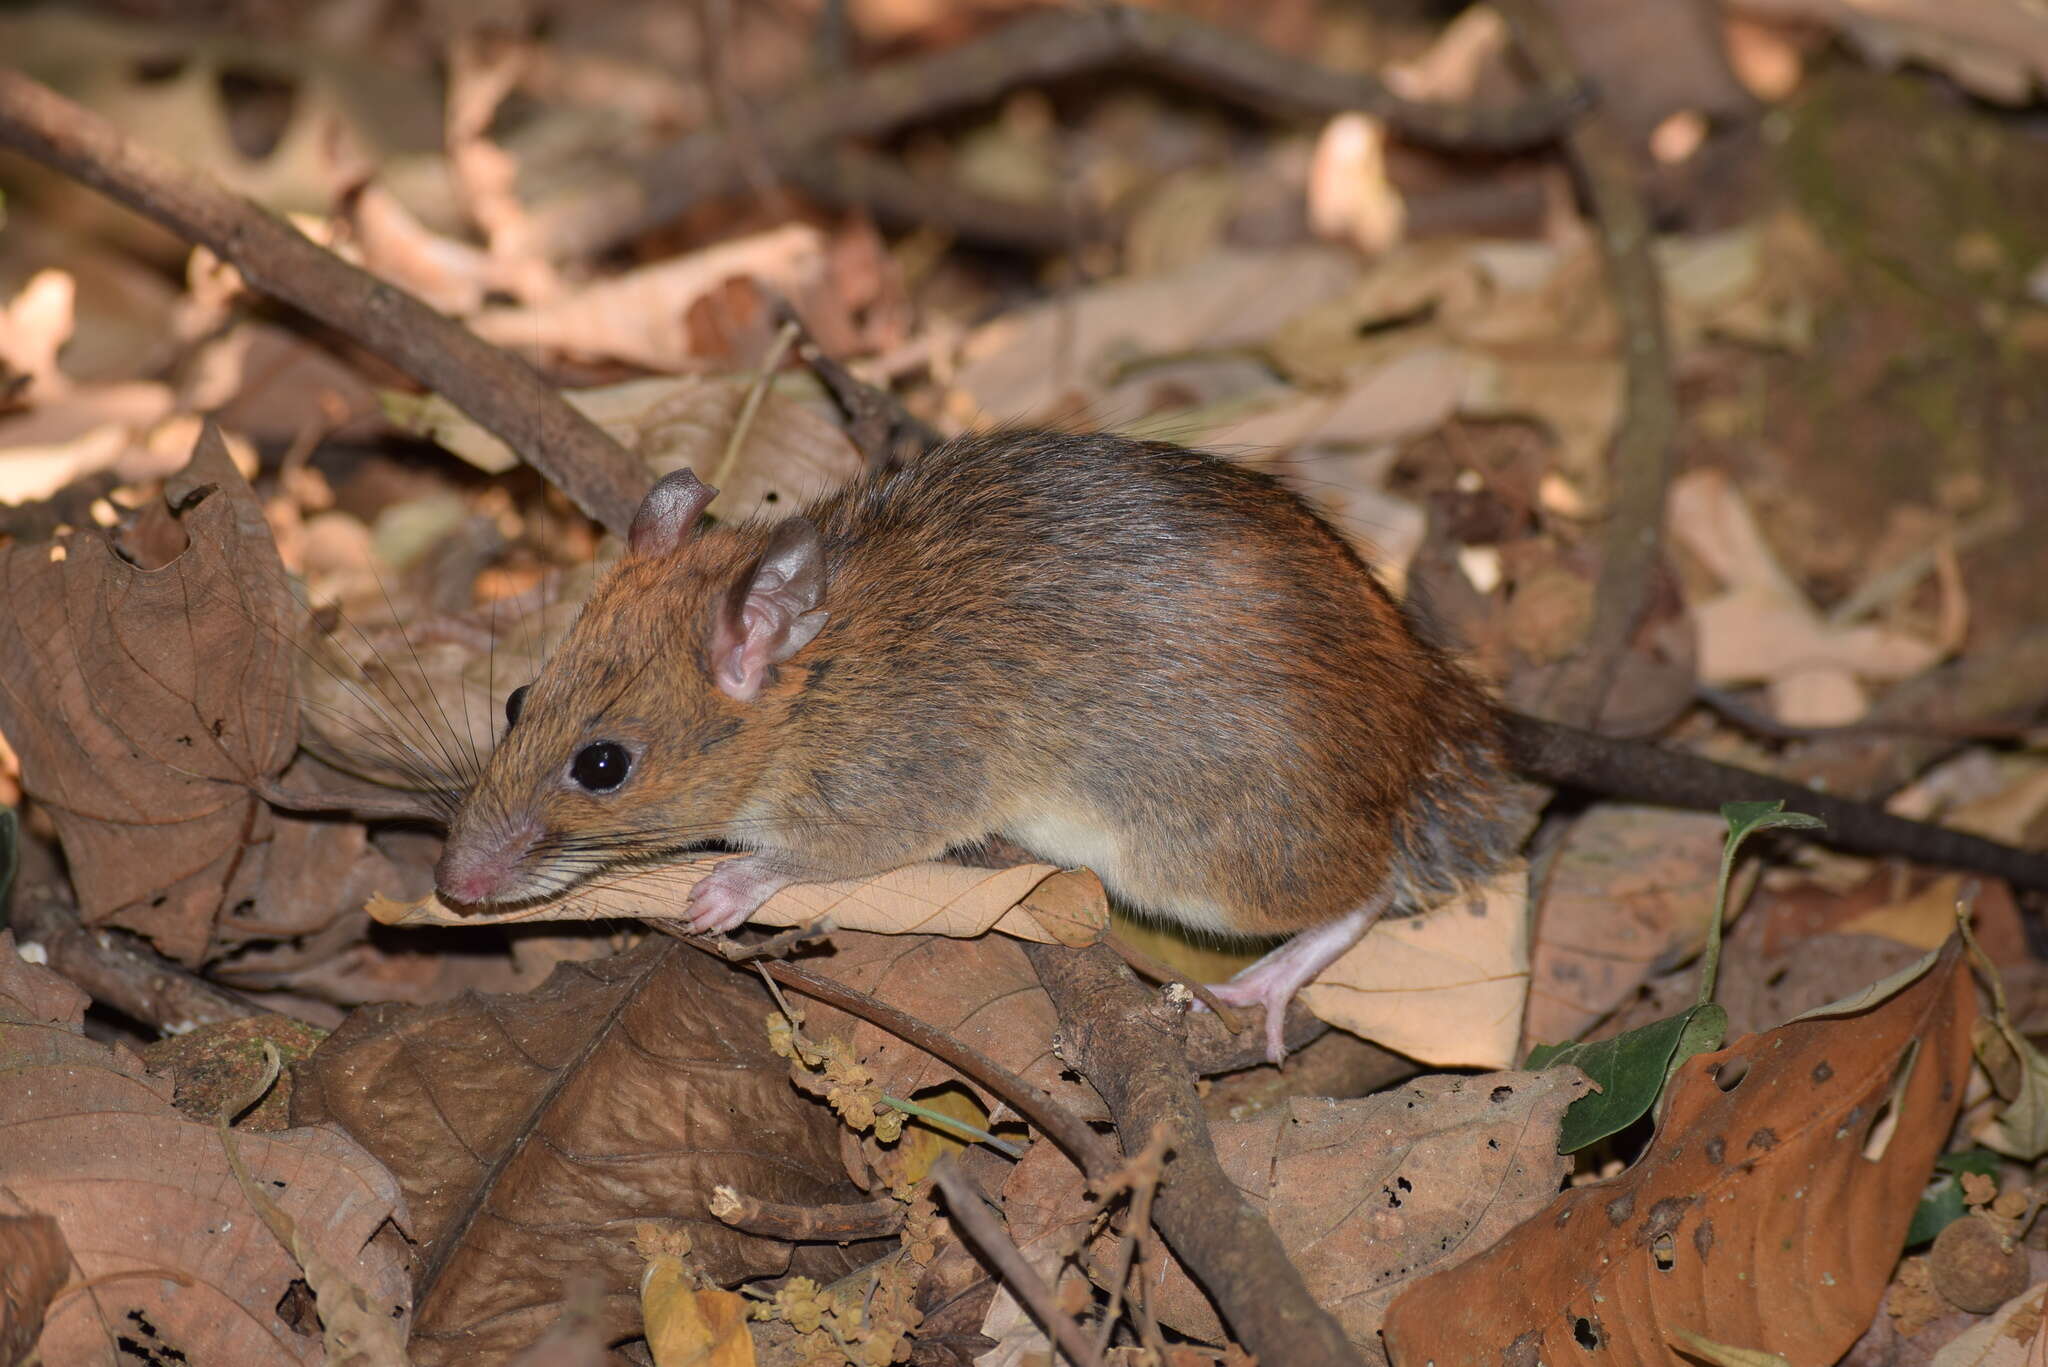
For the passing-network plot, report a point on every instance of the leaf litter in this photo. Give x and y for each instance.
(552, 1134)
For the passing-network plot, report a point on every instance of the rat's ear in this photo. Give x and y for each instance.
(667, 514)
(773, 610)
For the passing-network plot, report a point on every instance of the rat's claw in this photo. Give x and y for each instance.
(732, 892)
(1273, 980)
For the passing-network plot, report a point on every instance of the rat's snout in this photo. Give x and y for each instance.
(483, 865)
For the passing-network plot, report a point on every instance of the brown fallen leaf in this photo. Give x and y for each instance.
(1367, 1195)
(143, 702)
(176, 1256)
(981, 991)
(918, 899)
(35, 1262)
(640, 316)
(793, 450)
(1768, 1211)
(1630, 888)
(531, 1133)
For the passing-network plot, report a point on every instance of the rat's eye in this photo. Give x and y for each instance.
(514, 701)
(600, 767)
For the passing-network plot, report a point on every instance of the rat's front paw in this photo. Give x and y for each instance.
(732, 892)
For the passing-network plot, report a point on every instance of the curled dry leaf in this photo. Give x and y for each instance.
(1769, 1209)
(531, 1133)
(147, 1203)
(143, 702)
(641, 316)
(1038, 902)
(1367, 1195)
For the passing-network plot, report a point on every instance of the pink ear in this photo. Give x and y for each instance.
(667, 514)
(772, 612)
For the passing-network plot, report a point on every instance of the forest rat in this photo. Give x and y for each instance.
(1120, 654)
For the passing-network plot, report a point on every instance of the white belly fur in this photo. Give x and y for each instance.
(1082, 839)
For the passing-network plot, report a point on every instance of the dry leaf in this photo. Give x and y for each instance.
(1368, 1196)
(530, 1133)
(143, 702)
(2016, 1335)
(1631, 887)
(688, 1327)
(1995, 49)
(179, 1260)
(918, 899)
(794, 451)
(1761, 628)
(981, 991)
(1718, 1227)
(641, 316)
(1034, 362)
(1447, 987)
(35, 1262)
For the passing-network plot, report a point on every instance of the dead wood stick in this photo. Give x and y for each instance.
(1642, 456)
(113, 969)
(833, 1224)
(1041, 47)
(968, 1209)
(1053, 1120)
(1128, 1045)
(494, 387)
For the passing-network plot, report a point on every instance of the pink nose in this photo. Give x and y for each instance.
(478, 866)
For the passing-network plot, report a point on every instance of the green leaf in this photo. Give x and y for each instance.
(1631, 1070)
(1942, 1203)
(1744, 820)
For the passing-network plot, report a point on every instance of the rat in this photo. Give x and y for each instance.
(1122, 654)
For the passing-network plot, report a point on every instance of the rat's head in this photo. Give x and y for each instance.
(647, 727)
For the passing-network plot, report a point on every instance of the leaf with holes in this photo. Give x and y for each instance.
(1768, 1211)
(145, 692)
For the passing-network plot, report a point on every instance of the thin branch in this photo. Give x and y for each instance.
(1046, 46)
(808, 1224)
(1643, 456)
(968, 1209)
(1053, 1120)
(499, 390)
(1127, 1042)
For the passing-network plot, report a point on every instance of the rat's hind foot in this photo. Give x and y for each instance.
(733, 891)
(1273, 981)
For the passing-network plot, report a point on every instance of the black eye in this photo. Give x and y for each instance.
(602, 766)
(515, 700)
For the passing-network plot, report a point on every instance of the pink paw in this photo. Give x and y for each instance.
(731, 893)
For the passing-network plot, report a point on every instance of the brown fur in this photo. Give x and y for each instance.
(1125, 654)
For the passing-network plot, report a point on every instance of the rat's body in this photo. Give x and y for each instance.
(1119, 654)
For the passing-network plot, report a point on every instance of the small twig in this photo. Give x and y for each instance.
(504, 394)
(1157, 970)
(114, 969)
(1142, 1176)
(968, 1209)
(1129, 1049)
(1643, 454)
(808, 1224)
(880, 427)
(750, 406)
(852, 177)
(1041, 47)
(1053, 1120)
